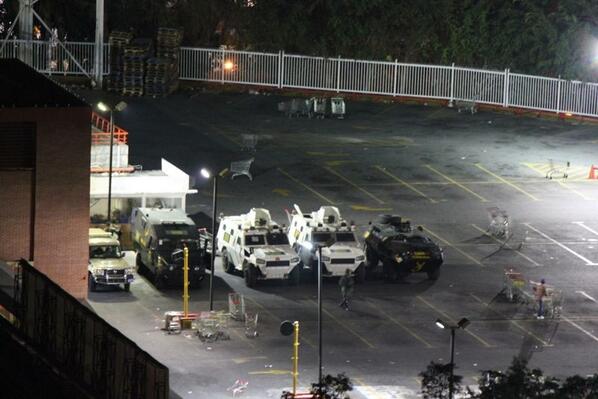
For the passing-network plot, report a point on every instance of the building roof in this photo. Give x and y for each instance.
(23, 87)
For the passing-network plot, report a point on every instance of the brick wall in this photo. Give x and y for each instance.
(15, 214)
(61, 213)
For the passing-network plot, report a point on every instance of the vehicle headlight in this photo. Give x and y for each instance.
(398, 259)
(128, 271)
(295, 259)
(98, 272)
(171, 268)
(260, 261)
(325, 258)
(366, 234)
(360, 258)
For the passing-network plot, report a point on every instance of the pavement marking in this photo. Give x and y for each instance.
(369, 209)
(586, 295)
(562, 184)
(518, 252)
(271, 372)
(282, 191)
(368, 391)
(403, 326)
(581, 224)
(468, 256)
(339, 162)
(530, 333)
(242, 360)
(574, 173)
(243, 338)
(404, 183)
(363, 190)
(317, 194)
(502, 179)
(333, 317)
(265, 310)
(449, 318)
(588, 262)
(574, 324)
(450, 179)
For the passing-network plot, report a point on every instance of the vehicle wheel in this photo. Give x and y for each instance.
(250, 276)
(371, 257)
(361, 274)
(295, 276)
(139, 263)
(127, 287)
(434, 274)
(195, 284)
(228, 266)
(389, 270)
(91, 282)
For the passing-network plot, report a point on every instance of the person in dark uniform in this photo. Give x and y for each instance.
(346, 283)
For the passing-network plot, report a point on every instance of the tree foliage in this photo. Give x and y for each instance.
(333, 387)
(436, 380)
(544, 37)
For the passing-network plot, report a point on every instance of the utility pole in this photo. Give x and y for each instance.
(98, 63)
(26, 31)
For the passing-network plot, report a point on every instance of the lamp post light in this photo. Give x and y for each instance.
(103, 107)
(207, 175)
(462, 324)
(318, 247)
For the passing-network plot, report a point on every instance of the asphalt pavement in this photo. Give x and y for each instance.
(439, 168)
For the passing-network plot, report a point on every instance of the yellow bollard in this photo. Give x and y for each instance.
(186, 323)
(295, 357)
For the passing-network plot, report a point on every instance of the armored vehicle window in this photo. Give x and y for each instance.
(417, 239)
(277, 239)
(345, 237)
(321, 237)
(176, 231)
(255, 239)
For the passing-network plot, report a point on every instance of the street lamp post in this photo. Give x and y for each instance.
(462, 324)
(105, 108)
(207, 174)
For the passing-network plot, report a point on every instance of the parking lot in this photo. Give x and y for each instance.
(437, 167)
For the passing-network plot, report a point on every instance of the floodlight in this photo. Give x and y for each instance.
(440, 324)
(205, 173)
(103, 107)
(120, 106)
(463, 323)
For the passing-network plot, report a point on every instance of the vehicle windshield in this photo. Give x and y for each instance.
(255, 239)
(104, 251)
(321, 237)
(345, 237)
(277, 239)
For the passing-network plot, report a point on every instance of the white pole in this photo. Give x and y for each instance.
(394, 79)
(26, 30)
(558, 96)
(98, 66)
(506, 90)
(338, 74)
(451, 101)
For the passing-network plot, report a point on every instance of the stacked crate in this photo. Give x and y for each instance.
(162, 72)
(118, 41)
(135, 56)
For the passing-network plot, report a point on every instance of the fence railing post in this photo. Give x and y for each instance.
(452, 99)
(558, 96)
(394, 79)
(222, 62)
(280, 69)
(505, 102)
(338, 74)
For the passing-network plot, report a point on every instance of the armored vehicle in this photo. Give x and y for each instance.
(255, 245)
(401, 249)
(308, 231)
(159, 236)
(106, 264)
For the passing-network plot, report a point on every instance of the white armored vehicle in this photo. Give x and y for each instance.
(307, 231)
(256, 246)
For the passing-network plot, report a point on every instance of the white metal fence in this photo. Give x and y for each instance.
(453, 83)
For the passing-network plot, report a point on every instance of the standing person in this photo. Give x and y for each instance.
(346, 283)
(539, 294)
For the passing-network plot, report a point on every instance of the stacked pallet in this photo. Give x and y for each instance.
(118, 41)
(135, 56)
(162, 72)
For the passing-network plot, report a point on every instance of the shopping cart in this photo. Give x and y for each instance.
(514, 286)
(212, 326)
(236, 306)
(241, 168)
(552, 302)
(251, 325)
(318, 107)
(558, 169)
(249, 142)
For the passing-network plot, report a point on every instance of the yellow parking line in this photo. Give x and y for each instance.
(586, 332)
(314, 192)
(530, 333)
(582, 195)
(259, 305)
(524, 256)
(480, 167)
(404, 183)
(450, 179)
(365, 341)
(243, 338)
(334, 172)
(449, 318)
(370, 391)
(445, 242)
(403, 326)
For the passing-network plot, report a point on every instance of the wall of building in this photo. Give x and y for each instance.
(16, 214)
(59, 245)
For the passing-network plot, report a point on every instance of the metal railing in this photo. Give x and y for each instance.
(281, 70)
